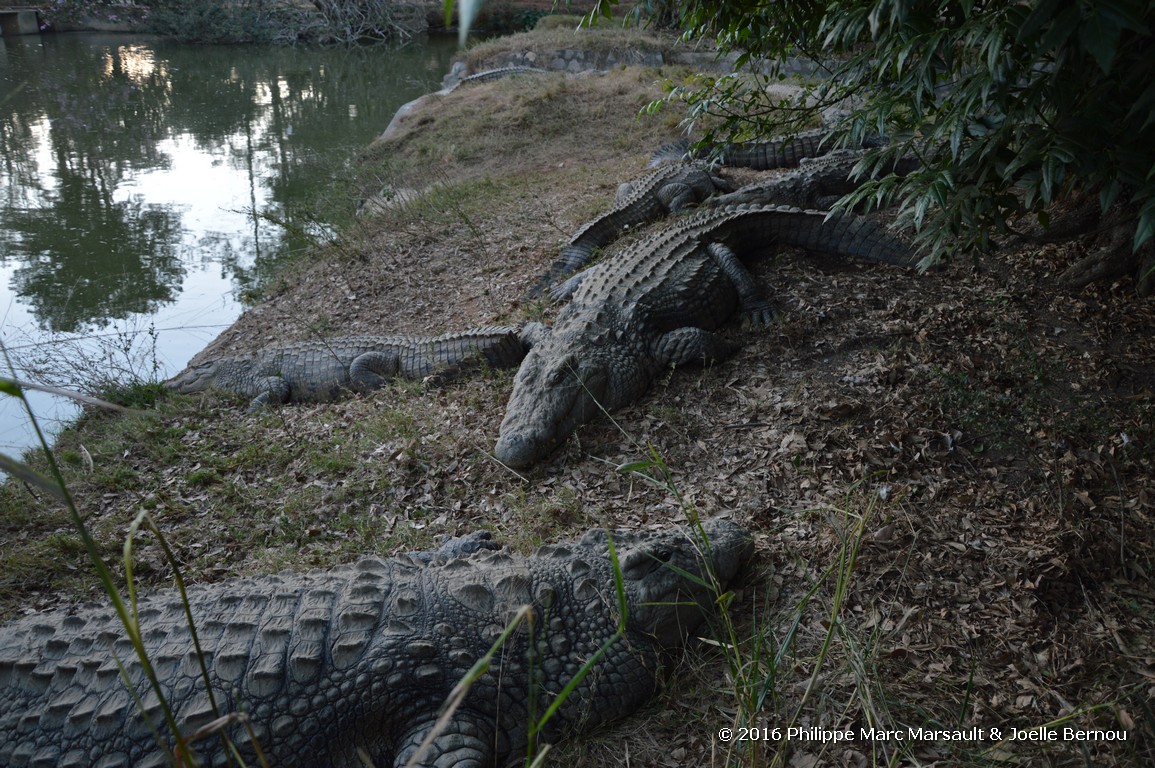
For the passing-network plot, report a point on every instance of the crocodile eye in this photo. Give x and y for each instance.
(641, 563)
(560, 373)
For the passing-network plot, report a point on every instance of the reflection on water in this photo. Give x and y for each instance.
(139, 177)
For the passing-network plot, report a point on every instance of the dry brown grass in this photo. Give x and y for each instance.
(989, 439)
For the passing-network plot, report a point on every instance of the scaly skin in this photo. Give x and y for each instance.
(669, 189)
(777, 153)
(817, 183)
(362, 657)
(321, 371)
(784, 152)
(489, 75)
(781, 152)
(656, 305)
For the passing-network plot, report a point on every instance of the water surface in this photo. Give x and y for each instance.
(147, 187)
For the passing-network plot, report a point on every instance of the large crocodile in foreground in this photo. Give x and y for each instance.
(320, 371)
(655, 305)
(327, 665)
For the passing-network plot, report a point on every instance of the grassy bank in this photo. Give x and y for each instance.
(949, 475)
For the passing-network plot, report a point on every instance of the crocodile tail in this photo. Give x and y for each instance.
(453, 355)
(572, 259)
(863, 238)
(503, 347)
(843, 234)
(768, 155)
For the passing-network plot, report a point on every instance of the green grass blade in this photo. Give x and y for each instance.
(26, 474)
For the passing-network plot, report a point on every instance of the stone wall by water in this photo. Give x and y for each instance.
(575, 60)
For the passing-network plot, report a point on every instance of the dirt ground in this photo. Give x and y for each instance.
(949, 475)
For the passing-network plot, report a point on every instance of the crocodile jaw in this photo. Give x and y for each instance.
(676, 576)
(196, 378)
(553, 394)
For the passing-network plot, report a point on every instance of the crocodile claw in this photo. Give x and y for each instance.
(761, 313)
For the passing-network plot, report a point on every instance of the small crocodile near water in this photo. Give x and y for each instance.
(655, 305)
(320, 371)
(336, 667)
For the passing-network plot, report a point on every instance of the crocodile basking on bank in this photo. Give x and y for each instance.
(457, 76)
(455, 79)
(360, 659)
(320, 371)
(669, 189)
(817, 182)
(655, 305)
(781, 152)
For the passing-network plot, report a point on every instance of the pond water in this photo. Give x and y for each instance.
(147, 187)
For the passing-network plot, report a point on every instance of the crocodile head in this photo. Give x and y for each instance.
(587, 365)
(672, 577)
(229, 374)
(198, 378)
(556, 391)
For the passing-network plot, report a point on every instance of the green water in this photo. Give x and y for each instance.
(147, 186)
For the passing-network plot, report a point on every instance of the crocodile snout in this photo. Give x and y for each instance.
(518, 450)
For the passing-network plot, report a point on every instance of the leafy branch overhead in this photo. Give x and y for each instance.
(1013, 106)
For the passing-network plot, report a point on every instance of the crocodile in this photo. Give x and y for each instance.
(817, 183)
(324, 370)
(782, 152)
(669, 189)
(656, 304)
(457, 77)
(351, 666)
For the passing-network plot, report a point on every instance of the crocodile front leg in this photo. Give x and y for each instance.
(533, 333)
(373, 370)
(274, 390)
(692, 346)
(679, 197)
(566, 290)
(462, 744)
(754, 304)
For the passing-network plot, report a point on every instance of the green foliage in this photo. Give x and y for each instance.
(656, 13)
(1012, 105)
(133, 394)
(84, 11)
(344, 22)
(503, 17)
(209, 21)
